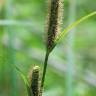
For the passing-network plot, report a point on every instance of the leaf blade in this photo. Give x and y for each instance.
(24, 78)
(73, 25)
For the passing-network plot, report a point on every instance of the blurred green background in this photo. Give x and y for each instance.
(72, 65)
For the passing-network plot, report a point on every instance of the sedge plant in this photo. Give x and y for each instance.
(35, 84)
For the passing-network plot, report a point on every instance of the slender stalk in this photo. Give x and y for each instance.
(44, 69)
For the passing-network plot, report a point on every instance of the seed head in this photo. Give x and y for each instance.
(54, 22)
(35, 81)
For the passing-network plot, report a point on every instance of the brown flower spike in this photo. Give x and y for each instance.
(54, 22)
(35, 81)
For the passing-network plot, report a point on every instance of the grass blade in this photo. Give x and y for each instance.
(70, 27)
(24, 78)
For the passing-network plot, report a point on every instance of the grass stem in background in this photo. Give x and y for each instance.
(11, 51)
(70, 50)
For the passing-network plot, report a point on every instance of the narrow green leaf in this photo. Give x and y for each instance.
(25, 80)
(22, 75)
(70, 27)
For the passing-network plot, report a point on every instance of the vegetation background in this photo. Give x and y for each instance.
(71, 69)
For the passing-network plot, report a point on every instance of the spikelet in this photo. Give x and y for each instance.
(54, 22)
(35, 81)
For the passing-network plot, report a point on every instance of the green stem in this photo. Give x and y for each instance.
(44, 69)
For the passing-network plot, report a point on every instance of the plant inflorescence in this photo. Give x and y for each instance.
(54, 35)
